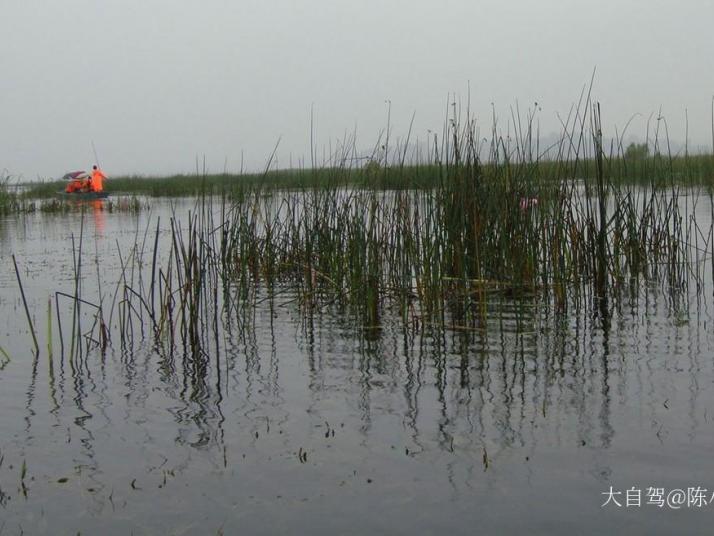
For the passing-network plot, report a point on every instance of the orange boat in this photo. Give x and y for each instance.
(78, 187)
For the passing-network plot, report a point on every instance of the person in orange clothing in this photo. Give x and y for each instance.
(96, 183)
(74, 186)
(78, 182)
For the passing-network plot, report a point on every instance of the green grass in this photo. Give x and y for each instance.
(192, 185)
(430, 244)
(8, 199)
(659, 170)
(431, 256)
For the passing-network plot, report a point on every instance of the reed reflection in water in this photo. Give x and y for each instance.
(291, 417)
(311, 411)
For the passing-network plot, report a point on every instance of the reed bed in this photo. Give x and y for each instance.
(506, 226)
(42, 197)
(121, 203)
(367, 173)
(9, 202)
(505, 229)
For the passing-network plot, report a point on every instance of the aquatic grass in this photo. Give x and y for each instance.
(9, 202)
(128, 203)
(658, 168)
(496, 224)
(49, 328)
(24, 303)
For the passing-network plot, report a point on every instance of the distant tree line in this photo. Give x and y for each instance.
(637, 151)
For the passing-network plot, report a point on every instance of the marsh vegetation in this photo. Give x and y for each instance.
(560, 235)
(413, 338)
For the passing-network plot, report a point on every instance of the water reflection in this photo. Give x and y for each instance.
(515, 401)
(458, 402)
(99, 217)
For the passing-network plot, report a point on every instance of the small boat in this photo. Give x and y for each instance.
(79, 187)
(83, 196)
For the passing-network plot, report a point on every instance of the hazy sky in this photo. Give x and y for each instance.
(157, 83)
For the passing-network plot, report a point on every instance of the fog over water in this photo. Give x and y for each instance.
(158, 84)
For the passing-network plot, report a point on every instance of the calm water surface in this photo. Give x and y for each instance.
(309, 425)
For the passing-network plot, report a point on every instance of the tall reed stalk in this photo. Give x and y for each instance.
(477, 222)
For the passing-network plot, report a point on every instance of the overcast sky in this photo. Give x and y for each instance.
(154, 84)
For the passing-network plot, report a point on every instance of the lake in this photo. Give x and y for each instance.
(308, 424)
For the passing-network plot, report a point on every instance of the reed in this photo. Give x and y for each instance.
(366, 173)
(431, 245)
(9, 202)
(27, 311)
(49, 328)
